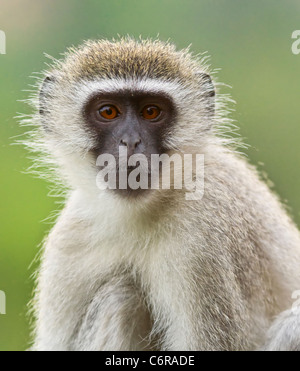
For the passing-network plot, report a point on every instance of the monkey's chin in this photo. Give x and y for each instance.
(129, 192)
(132, 193)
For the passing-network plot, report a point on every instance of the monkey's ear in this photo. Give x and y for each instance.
(45, 93)
(44, 97)
(208, 90)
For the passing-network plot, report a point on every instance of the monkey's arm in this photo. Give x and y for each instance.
(81, 304)
(115, 320)
(284, 334)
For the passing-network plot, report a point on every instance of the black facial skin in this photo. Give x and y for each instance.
(130, 128)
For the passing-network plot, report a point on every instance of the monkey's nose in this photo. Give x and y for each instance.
(130, 142)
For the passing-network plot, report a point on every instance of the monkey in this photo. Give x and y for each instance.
(147, 269)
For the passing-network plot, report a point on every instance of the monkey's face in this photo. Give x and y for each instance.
(123, 119)
(144, 98)
(137, 122)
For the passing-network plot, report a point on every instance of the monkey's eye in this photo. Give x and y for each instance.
(109, 112)
(151, 112)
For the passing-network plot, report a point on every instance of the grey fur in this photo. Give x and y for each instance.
(160, 273)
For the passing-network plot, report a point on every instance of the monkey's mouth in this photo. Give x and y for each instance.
(135, 185)
(135, 178)
(130, 181)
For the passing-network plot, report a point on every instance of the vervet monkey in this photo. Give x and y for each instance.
(149, 269)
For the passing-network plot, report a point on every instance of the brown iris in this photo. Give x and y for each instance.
(109, 112)
(151, 112)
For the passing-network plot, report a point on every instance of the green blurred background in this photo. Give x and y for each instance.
(250, 41)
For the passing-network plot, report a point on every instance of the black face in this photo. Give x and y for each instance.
(137, 121)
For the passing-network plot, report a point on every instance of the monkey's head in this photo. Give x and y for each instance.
(140, 95)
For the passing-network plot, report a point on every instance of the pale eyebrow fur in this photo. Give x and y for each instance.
(84, 88)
